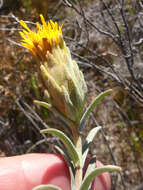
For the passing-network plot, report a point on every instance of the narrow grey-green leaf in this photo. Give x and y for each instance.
(44, 104)
(88, 141)
(92, 106)
(58, 115)
(91, 166)
(62, 150)
(47, 187)
(109, 168)
(67, 142)
(65, 154)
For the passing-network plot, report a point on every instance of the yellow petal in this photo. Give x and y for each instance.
(24, 25)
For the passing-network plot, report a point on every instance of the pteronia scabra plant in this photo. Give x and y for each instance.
(65, 96)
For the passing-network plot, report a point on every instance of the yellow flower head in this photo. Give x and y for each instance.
(44, 39)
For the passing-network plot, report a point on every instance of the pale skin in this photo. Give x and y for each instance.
(26, 171)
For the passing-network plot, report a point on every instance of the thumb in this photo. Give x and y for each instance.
(27, 171)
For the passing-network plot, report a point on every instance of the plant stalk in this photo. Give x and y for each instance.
(78, 169)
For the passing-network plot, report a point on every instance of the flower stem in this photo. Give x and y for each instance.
(78, 169)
